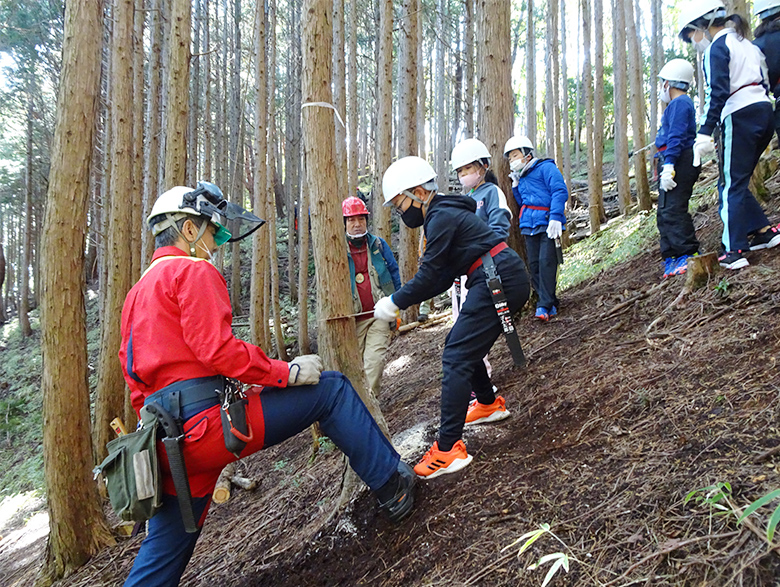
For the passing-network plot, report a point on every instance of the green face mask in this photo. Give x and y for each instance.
(222, 235)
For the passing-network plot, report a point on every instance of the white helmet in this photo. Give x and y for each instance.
(206, 201)
(766, 8)
(519, 142)
(405, 174)
(678, 71)
(171, 203)
(468, 151)
(694, 10)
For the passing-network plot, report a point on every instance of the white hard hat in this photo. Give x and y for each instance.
(405, 174)
(678, 70)
(468, 151)
(766, 8)
(695, 9)
(519, 142)
(171, 202)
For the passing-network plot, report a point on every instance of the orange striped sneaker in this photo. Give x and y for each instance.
(482, 414)
(437, 462)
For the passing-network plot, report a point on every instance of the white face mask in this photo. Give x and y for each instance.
(701, 46)
(516, 165)
(666, 94)
(359, 235)
(204, 248)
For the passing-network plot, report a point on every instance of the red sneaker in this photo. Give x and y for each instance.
(482, 414)
(437, 462)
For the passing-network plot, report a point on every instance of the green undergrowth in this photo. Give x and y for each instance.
(622, 239)
(21, 402)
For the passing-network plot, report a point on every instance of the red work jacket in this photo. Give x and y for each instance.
(176, 325)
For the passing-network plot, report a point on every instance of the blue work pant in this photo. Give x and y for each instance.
(343, 417)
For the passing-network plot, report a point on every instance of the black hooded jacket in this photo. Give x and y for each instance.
(455, 239)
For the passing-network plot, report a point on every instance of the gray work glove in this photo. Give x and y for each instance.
(304, 370)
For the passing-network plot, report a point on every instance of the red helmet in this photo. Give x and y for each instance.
(353, 206)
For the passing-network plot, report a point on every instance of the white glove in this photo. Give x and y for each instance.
(702, 146)
(515, 177)
(554, 229)
(385, 309)
(667, 175)
(304, 370)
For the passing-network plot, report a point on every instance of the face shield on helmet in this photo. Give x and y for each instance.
(232, 221)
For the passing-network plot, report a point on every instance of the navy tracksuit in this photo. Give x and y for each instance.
(455, 239)
(737, 101)
(674, 142)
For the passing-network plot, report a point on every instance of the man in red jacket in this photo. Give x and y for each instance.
(177, 348)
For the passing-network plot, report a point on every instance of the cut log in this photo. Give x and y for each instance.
(243, 483)
(222, 489)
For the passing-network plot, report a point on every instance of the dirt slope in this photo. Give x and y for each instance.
(611, 427)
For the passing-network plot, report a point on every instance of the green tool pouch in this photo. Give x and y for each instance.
(132, 472)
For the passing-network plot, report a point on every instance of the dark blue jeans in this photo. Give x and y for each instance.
(543, 266)
(343, 417)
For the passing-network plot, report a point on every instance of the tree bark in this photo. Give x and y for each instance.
(530, 75)
(177, 92)
(495, 119)
(594, 187)
(281, 350)
(153, 122)
(24, 271)
(303, 274)
(656, 56)
(442, 144)
(384, 130)
(339, 96)
(565, 103)
(110, 392)
(235, 181)
(292, 157)
(468, 52)
(353, 113)
(77, 527)
(407, 133)
(637, 111)
(621, 106)
(338, 343)
(598, 106)
(136, 191)
(258, 326)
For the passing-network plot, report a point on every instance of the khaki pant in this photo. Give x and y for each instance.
(373, 340)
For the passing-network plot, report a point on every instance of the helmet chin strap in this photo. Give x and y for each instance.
(201, 232)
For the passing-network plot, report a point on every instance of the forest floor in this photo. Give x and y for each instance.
(627, 405)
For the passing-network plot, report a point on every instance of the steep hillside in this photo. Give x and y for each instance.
(612, 426)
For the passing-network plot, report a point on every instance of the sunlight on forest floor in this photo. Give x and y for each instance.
(24, 525)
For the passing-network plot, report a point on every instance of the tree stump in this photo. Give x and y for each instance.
(700, 269)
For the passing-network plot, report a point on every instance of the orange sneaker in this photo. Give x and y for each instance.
(482, 414)
(437, 462)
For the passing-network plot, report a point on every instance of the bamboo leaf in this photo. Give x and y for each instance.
(758, 503)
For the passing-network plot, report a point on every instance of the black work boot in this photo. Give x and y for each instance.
(401, 501)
